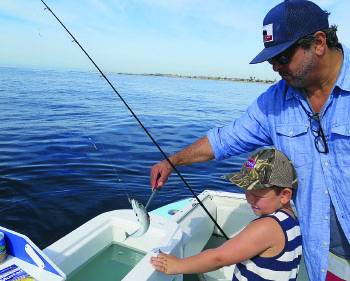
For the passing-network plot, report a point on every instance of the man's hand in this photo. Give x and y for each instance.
(160, 173)
(198, 152)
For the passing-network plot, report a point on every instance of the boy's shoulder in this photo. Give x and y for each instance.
(268, 231)
(265, 224)
(281, 215)
(277, 222)
(274, 225)
(266, 228)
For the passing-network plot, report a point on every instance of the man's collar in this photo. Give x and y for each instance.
(343, 80)
(293, 93)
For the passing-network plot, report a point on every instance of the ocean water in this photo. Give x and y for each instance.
(70, 149)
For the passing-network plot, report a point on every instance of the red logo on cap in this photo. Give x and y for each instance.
(268, 33)
(267, 38)
(250, 163)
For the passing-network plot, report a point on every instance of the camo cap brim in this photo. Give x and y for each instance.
(265, 168)
(245, 182)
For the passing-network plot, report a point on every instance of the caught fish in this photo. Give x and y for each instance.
(142, 217)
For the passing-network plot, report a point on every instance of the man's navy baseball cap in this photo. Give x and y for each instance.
(286, 23)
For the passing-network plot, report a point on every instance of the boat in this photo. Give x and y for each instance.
(98, 250)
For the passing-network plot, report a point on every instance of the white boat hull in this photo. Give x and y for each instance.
(79, 246)
(181, 228)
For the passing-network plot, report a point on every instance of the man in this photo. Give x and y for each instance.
(306, 115)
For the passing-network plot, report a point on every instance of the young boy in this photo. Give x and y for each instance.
(269, 247)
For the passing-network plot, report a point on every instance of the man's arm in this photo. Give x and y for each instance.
(198, 152)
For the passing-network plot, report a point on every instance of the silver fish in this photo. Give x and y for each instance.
(142, 217)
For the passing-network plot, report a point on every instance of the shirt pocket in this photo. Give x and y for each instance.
(295, 141)
(341, 141)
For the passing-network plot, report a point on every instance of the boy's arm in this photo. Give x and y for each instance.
(257, 237)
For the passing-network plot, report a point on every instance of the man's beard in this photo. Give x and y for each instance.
(299, 76)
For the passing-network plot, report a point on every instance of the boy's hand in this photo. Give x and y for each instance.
(165, 263)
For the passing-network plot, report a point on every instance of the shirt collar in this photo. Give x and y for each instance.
(343, 81)
(293, 92)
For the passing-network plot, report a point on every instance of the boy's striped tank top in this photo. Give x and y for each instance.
(284, 266)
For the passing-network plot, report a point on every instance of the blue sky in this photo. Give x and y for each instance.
(188, 37)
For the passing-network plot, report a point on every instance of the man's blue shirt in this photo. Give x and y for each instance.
(279, 118)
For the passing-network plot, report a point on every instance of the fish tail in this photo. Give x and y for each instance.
(126, 235)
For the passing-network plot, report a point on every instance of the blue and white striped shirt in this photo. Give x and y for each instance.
(279, 118)
(282, 267)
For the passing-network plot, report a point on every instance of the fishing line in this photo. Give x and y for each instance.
(100, 144)
(137, 119)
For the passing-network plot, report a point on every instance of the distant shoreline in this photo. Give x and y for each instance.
(251, 80)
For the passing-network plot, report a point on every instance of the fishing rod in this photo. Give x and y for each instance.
(137, 119)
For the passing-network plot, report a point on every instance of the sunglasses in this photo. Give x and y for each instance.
(284, 57)
(320, 139)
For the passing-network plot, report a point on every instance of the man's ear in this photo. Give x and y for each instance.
(286, 195)
(320, 44)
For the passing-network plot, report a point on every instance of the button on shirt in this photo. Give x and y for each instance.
(279, 118)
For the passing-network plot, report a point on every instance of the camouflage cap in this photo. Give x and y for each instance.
(265, 168)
